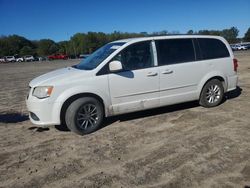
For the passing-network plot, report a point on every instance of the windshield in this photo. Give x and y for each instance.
(92, 61)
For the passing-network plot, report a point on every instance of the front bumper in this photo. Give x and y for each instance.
(43, 111)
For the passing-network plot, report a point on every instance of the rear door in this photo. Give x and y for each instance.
(136, 87)
(179, 71)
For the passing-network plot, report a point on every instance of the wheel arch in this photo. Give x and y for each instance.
(220, 78)
(68, 101)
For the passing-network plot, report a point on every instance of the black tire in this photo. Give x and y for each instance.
(212, 94)
(84, 115)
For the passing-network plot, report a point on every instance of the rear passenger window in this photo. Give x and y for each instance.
(212, 48)
(173, 51)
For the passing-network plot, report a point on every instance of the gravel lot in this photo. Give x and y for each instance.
(183, 145)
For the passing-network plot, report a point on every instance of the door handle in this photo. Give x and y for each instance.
(167, 72)
(152, 74)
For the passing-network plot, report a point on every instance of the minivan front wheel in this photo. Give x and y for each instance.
(212, 94)
(84, 115)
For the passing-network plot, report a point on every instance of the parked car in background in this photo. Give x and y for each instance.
(19, 59)
(240, 47)
(131, 75)
(58, 56)
(246, 45)
(233, 47)
(10, 59)
(28, 58)
(36, 58)
(2, 60)
(42, 58)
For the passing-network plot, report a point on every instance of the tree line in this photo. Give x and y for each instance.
(86, 43)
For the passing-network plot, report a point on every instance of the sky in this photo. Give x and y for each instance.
(60, 19)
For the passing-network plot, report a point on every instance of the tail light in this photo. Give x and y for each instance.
(235, 61)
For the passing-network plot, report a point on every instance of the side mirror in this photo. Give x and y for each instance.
(115, 66)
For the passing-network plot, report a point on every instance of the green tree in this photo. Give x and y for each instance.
(4, 47)
(12, 44)
(77, 44)
(27, 50)
(209, 32)
(44, 47)
(144, 33)
(91, 42)
(190, 32)
(53, 48)
(82, 43)
(204, 32)
(63, 47)
(247, 35)
(230, 34)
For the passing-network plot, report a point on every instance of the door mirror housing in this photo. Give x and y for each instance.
(115, 66)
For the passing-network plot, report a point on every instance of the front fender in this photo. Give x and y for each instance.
(66, 94)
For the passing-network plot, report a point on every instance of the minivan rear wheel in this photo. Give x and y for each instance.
(84, 115)
(212, 94)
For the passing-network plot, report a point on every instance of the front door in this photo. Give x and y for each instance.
(136, 87)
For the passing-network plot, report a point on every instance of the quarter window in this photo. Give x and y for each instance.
(173, 51)
(136, 56)
(212, 48)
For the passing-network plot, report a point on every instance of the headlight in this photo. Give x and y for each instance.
(42, 91)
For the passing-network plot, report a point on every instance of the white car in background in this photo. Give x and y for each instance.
(2, 60)
(10, 58)
(29, 58)
(131, 75)
(240, 47)
(19, 59)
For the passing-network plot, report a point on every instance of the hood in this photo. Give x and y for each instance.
(56, 76)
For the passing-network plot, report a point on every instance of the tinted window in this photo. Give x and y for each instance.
(212, 48)
(136, 56)
(173, 51)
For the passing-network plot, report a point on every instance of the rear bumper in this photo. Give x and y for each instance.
(232, 82)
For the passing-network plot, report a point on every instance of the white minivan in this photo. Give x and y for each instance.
(131, 75)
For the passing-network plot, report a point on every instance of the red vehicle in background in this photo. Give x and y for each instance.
(58, 56)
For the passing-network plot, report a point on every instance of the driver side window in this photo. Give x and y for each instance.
(136, 56)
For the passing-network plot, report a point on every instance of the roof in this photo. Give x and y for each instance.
(166, 37)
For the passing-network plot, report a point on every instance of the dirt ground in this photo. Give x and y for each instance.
(183, 145)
